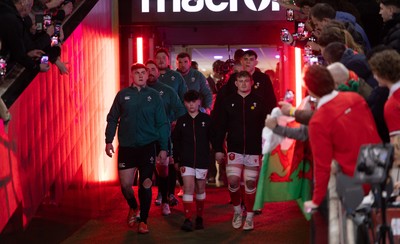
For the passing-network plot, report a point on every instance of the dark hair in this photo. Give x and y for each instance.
(302, 3)
(391, 2)
(386, 64)
(244, 73)
(333, 52)
(162, 50)
(191, 95)
(238, 54)
(323, 10)
(331, 34)
(150, 61)
(250, 53)
(319, 80)
(183, 55)
(138, 66)
(217, 65)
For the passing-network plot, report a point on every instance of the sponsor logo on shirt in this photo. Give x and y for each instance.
(127, 97)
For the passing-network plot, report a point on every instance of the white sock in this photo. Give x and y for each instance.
(238, 208)
(249, 215)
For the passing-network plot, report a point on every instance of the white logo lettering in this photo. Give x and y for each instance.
(193, 6)
(263, 5)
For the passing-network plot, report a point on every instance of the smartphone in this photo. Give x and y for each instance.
(46, 21)
(313, 60)
(44, 59)
(54, 40)
(300, 28)
(39, 22)
(289, 14)
(284, 35)
(3, 65)
(57, 28)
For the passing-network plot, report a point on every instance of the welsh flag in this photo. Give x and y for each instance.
(285, 175)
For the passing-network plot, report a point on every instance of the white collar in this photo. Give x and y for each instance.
(394, 88)
(327, 98)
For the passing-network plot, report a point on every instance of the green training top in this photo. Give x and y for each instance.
(140, 117)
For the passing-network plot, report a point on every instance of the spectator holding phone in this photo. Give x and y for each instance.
(13, 36)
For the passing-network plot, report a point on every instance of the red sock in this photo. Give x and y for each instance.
(249, 201)
(187, 207)
(242, 192)
(199, 208)
(235, 198)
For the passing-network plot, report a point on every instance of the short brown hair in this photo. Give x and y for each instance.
(386, 64)
(138, 66)
(150, 61)
(183, 55)
(319, 80)
(162, 50)
(244, 73)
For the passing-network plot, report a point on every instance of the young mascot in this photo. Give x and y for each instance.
(191, 138)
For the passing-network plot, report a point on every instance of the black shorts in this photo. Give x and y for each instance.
(137, 157)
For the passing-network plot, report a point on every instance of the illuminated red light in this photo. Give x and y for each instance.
(299, 78)
(139, 49)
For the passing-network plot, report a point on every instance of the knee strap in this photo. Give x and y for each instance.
(187, 198)
(201, 196)
(233, 171)
(250, 175)
(231, 189)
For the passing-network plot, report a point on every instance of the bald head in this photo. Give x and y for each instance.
(339, 73)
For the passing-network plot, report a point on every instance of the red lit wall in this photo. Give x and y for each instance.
(56, 135)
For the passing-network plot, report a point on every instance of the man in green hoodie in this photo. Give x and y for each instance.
(143, 129)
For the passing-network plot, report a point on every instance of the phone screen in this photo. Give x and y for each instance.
(44, 59)
(284, 35)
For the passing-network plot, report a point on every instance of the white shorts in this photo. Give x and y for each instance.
(200, 174)
(243, 159)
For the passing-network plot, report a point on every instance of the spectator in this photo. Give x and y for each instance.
(338, 115)
(337, 51)
(386, 68)
(390, 12)
(321, 13)
(13, 34)
(347, 80)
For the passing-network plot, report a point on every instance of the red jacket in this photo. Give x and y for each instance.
(340, 125)
(392, 113)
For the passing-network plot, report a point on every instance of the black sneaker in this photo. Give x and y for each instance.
(187, 225)
(172, 200)
(258, 211)
(199, 223)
